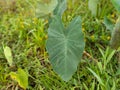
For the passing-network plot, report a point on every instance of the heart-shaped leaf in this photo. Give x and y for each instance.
(45, 7)
(116, 4)
(65, 46)
(21, 77)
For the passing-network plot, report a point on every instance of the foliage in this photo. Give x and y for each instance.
(116, 4)
(8, 55)
(26, 36)
(63, 41)
(92, 4)
(67, 46)
(61, 7)
(21, 77)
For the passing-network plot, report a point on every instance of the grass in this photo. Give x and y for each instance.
(26, 36)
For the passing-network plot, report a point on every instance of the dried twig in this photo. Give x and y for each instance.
(90, 57)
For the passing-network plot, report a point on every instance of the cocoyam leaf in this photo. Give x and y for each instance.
(45, 8)
(61, 7)
(65, 46)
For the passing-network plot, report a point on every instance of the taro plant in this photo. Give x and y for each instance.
(65, 45)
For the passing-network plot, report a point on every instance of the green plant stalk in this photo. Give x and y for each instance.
(115, 39)
(119, 58)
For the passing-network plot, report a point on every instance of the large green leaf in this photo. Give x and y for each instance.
(61, 7)
(116, 4)
(45, 7)
(92, 4)
(65, 46)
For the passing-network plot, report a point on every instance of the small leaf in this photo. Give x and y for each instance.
(65, 46)
(45, 8)
(21, 77)
(61, 7)
(92, 5)
(116, 4)
(8, 55)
